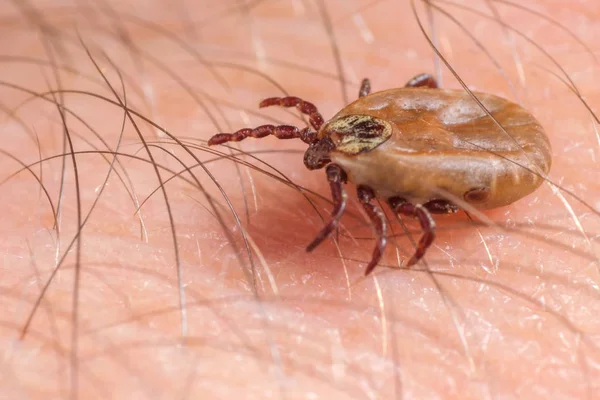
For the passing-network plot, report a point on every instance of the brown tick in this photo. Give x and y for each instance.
(412, 145)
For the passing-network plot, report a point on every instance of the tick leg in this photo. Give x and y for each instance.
(440, 207)
(336, 176)
(315, 118)
(280, 132)
(365, 195)
(400, 206)
(422, 80)
(365, 88)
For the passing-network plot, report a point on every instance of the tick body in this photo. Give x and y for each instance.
(419, 148)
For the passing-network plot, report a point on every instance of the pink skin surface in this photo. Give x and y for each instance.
(508, 309)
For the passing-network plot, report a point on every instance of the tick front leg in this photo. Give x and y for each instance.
(336, 177)
(315, 118)
(365, 195)
(365, 88)
(422, 80)
(400, 206)
(280, 132)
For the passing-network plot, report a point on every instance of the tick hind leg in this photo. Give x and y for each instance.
(365, 88)
(365, 195)
(440, 206)
(400, 206)
(315, 118)
(422, 80)
(336, 177)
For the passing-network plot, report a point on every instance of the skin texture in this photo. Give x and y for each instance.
(443, 142)
(508, 310)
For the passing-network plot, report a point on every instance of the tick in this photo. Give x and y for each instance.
(419, 148)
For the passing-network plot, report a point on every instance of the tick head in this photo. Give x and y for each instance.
(354, 134)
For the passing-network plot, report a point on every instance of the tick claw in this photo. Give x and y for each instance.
(313, 245)
(370, 267)
(411, 262)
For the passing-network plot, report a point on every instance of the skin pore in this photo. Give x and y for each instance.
(168, 304)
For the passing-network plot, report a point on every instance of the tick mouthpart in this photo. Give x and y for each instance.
(317, 154)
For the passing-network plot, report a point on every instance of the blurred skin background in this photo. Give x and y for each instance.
(207, 292)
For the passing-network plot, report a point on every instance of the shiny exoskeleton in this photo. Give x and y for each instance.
(420, 148)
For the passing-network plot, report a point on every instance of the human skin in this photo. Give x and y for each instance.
(503, 308)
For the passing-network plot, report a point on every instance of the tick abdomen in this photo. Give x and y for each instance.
(443, 142)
